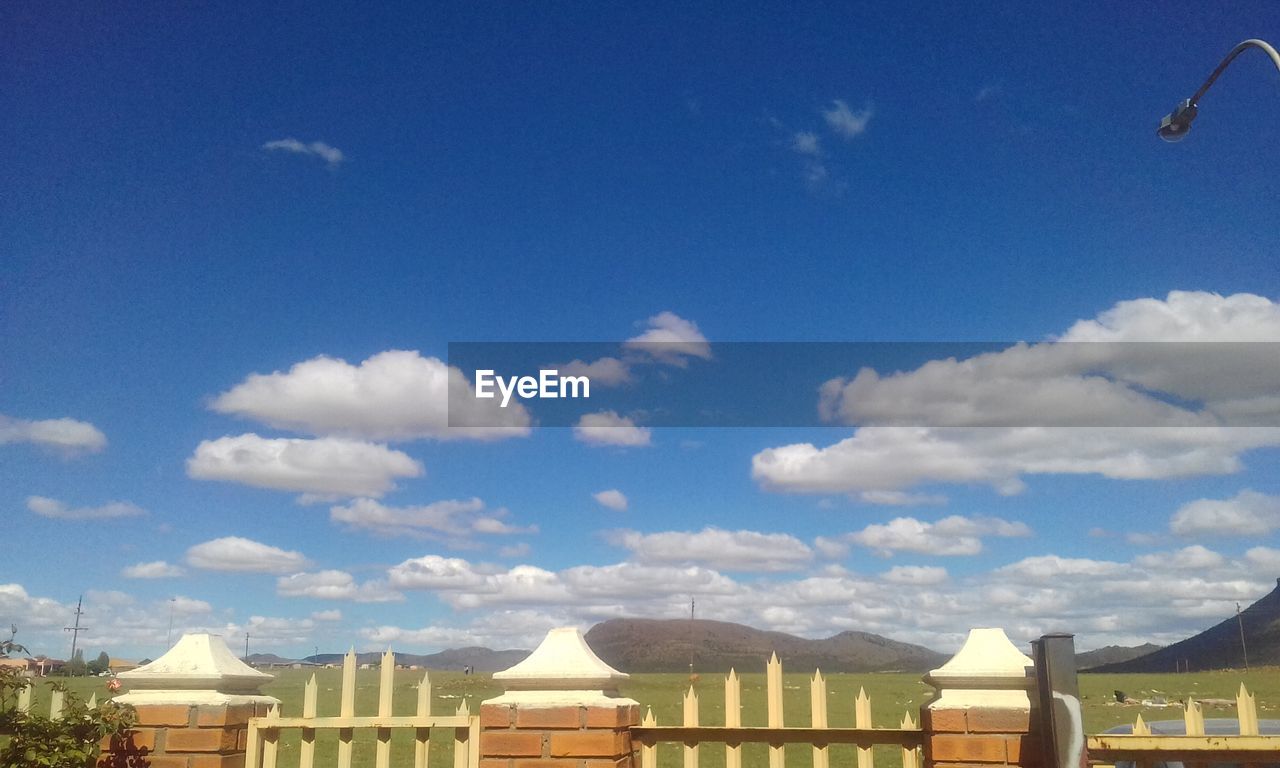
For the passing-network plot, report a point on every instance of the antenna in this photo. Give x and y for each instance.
(692, 606)
(77, 629)
(246, 647)
(168, 639)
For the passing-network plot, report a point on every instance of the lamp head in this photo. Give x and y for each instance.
(1176, 124)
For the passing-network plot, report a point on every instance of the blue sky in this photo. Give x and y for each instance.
(327, 196)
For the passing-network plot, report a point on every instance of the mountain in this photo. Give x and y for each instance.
(1112, 654)
(267, 659)
(655, 645)
(455, 659)
(1218, 647)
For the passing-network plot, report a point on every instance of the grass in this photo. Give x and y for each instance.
(891, 696)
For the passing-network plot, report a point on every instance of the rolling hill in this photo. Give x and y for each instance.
(1219, 646)
(656, 645)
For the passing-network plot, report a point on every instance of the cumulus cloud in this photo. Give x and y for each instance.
(608, 428)
(335, 585)
(955, 535)
(331, 155)
(332, 614)
(612, 499)
(671, 339)
(920, 575)
(605, 372)
(156, 569)
(1249, 513)
(392, 396)
(455, 520)
(324, 467)
(844, 122)
(52, 508)
(806, 143)
(233, 553)
(996, 417)
(435, 572)
(1194, 557)
(720, 549)
(68, 436)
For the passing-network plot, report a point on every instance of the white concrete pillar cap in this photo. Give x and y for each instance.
(988, 670)
(561, 670)
(198, 669)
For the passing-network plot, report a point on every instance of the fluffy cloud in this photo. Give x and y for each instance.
(1249, 513)
(612, 499)
(332, 614)
(671, 339)
(233, 553)
(157, 569)
(953, 535)
(919, 575)
(394, 395)
(327, 466)
(455, 521)
(331, 155)
(435, 572)
(608, 428)
(335, 585)
(52, 508)
(996, 417)
(720, 549)
(806, 143)
(1194, 557)
(66, 435)
(844, 121)
(605, 372)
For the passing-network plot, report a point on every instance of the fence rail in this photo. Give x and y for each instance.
(777, 736)
(1194, 745)
(262, 747)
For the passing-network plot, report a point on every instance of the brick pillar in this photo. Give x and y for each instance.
(982, 713)
(561, 709)
(193, 705)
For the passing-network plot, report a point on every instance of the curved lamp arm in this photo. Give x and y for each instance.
(1176, 124)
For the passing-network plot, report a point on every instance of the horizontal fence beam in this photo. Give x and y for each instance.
(1234, 749)
(372, 721)
(862, 737)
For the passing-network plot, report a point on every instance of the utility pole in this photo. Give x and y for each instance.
(692, 606)
(77, 629)
(246, 647)
(1243, 649)
(168, 639)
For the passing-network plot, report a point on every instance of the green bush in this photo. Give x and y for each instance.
(71, 741)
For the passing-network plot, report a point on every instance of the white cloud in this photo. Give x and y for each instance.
(844, 121)
(52, 508)
(806, 143)
(66, 435)
(335, 585)
(901, 499)
(333, 614)
(671, 339)
(455, 521)
(435, 572)
(1194, 557)
(1264, 559)
(157, 569)
(1051, 568)
(920, 575)
(608, 428)
(605, 372)
(324, 467)
(953, 535)
(612, 499)
(233, 553)
(394, 395)
(1249, 513)
(716, 548)
(331, 155)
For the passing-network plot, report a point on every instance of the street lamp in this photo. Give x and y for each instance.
(1176, 124)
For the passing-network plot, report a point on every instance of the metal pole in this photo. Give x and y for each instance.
(1240, 621)
(1263, 45)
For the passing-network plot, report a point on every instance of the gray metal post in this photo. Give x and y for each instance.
(1061, 717)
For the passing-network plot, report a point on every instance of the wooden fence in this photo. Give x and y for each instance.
(264, 732)
(816, 735)
(55, 702)
(1142, 747)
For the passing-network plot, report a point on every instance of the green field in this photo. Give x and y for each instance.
(891, 696)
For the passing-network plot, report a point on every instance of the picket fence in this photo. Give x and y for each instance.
(263, 738)
(1144, 748)
(817, 734)
(56, 701)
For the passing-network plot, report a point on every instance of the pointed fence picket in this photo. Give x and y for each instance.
(1193, 747)
(263, 739)
(818, 735)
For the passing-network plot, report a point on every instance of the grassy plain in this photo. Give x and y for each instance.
(891, 696)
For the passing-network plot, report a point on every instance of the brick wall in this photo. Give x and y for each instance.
(515, 736)
(183, 736)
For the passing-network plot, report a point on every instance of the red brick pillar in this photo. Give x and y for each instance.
(561, 709)
(184, 736)
(193, 705)
(982, 713)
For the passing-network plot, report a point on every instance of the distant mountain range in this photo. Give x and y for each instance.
(1219, 647)
(479, 659)
(1112, 654)
(656, 645)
